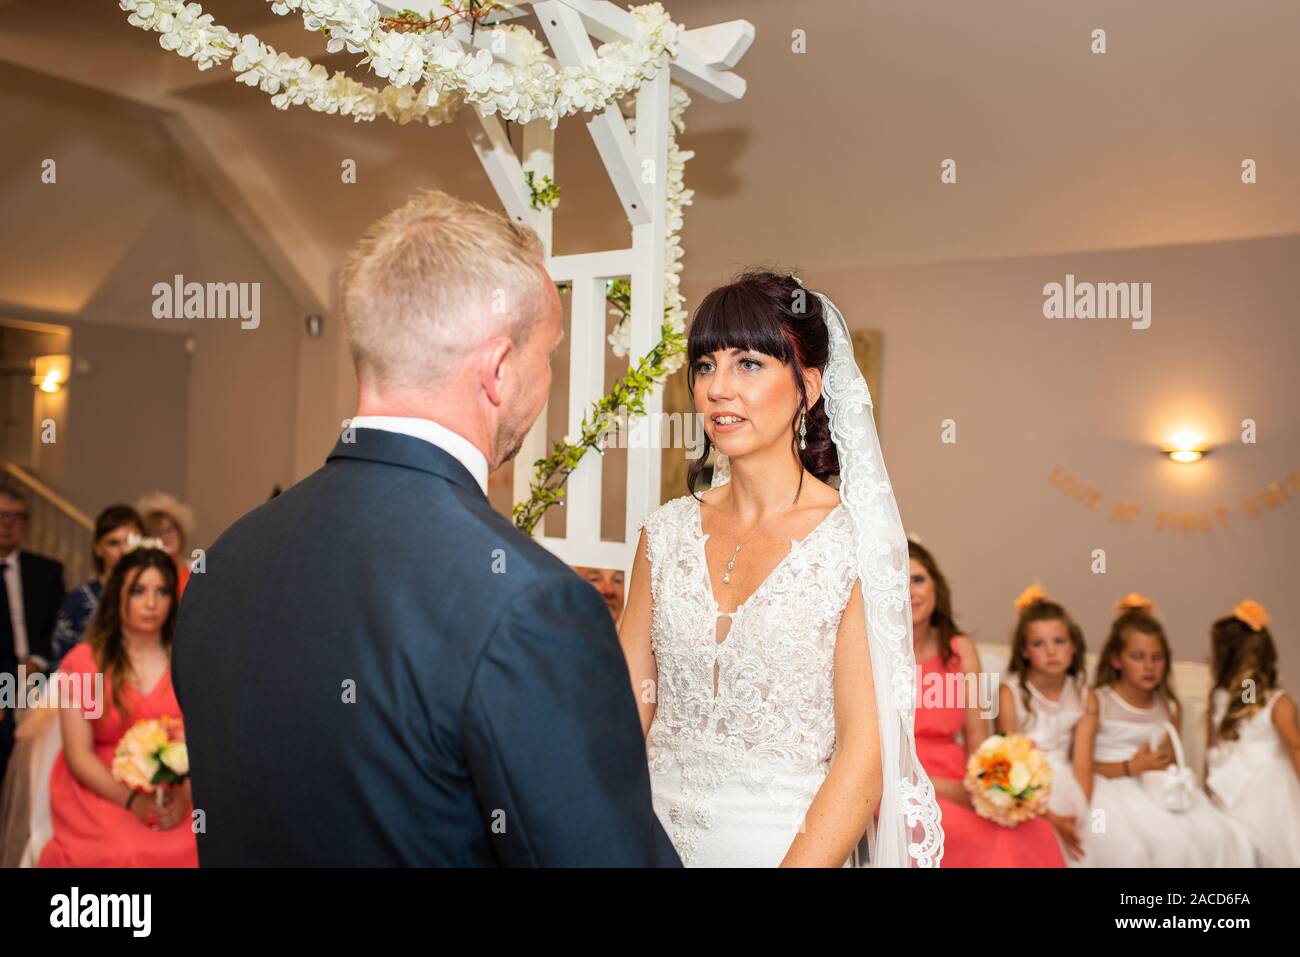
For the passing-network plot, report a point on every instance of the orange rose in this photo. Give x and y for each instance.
(1134, 600)
(1030, 595)
(1252, 613)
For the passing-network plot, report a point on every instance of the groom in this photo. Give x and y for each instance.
(375, 668)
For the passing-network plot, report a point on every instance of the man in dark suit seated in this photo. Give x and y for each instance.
(29, 604)
(375, 668)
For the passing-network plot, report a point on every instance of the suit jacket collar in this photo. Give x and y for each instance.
(405, 451)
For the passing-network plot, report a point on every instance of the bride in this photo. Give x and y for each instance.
(767, 628)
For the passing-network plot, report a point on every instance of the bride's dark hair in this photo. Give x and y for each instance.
(763, 311)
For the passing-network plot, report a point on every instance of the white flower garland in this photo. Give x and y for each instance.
(531, 90)
(678, 198)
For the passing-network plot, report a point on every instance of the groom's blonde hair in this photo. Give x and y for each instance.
(431, 280)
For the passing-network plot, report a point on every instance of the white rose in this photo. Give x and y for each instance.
(176, 758)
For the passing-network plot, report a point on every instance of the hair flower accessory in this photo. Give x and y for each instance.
(1134, 602)
(1252, 613)
(135, 540)
(1030, 595)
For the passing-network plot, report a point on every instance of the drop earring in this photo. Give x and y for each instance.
(803, 431)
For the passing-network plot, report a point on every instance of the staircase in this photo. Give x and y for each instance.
(57, 529)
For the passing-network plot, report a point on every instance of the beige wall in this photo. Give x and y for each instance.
(967, 341)
(126, 425)
(216, 425)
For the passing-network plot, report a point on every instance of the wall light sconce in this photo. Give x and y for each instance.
(1186, 448)
(51, 372)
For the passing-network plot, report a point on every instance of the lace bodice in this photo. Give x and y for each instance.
(1050, 723)
(1123, 728)
(770, 725)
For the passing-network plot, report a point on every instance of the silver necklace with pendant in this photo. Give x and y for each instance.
(731, 562)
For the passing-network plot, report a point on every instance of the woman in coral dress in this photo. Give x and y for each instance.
(97, 820)
(948, 702)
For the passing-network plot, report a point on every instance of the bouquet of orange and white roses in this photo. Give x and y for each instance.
(152, 754)
(1008, 779)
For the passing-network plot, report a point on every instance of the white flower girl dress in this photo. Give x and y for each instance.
(1253, 781)
(1133, 824)
(1051, 725)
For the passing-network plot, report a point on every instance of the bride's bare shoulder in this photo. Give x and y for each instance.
(817, 494)
(714, 496)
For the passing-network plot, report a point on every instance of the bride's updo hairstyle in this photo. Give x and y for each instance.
(762, 311)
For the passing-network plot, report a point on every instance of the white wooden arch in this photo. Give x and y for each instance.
(703, 64)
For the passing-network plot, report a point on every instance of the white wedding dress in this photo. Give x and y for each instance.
(744, 725)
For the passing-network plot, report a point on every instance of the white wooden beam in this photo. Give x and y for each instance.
(572, 47)
(721, 45)
(689, 69)
(607, 263)
(606, 21)
(586, 384)
(592, 554)
(487, 134)
(645, 459)
(539, 159)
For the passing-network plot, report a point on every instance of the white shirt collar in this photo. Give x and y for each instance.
(453, 443)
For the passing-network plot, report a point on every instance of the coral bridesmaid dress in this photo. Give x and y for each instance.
(968, 839)
(90, 831)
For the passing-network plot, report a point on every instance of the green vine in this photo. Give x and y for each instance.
(552, 473)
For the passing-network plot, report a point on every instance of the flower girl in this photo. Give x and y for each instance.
(1253, 756)
(1146, 808)
(1042, 696)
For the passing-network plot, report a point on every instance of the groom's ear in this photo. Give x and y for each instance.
(812, 383)
(495, 356)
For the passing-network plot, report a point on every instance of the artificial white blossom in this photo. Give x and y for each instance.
(428, 76)
(519, 93)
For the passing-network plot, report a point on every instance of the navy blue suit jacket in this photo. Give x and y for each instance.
(375, 668)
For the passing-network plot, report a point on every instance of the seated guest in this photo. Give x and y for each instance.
(171, 521)
(112, 527)
(607, 581)
(947, 662)
(99, 821)
(31, 588)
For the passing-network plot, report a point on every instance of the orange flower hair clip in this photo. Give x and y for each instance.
(1252, 613)
(1030, 595)
(1134, 602)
